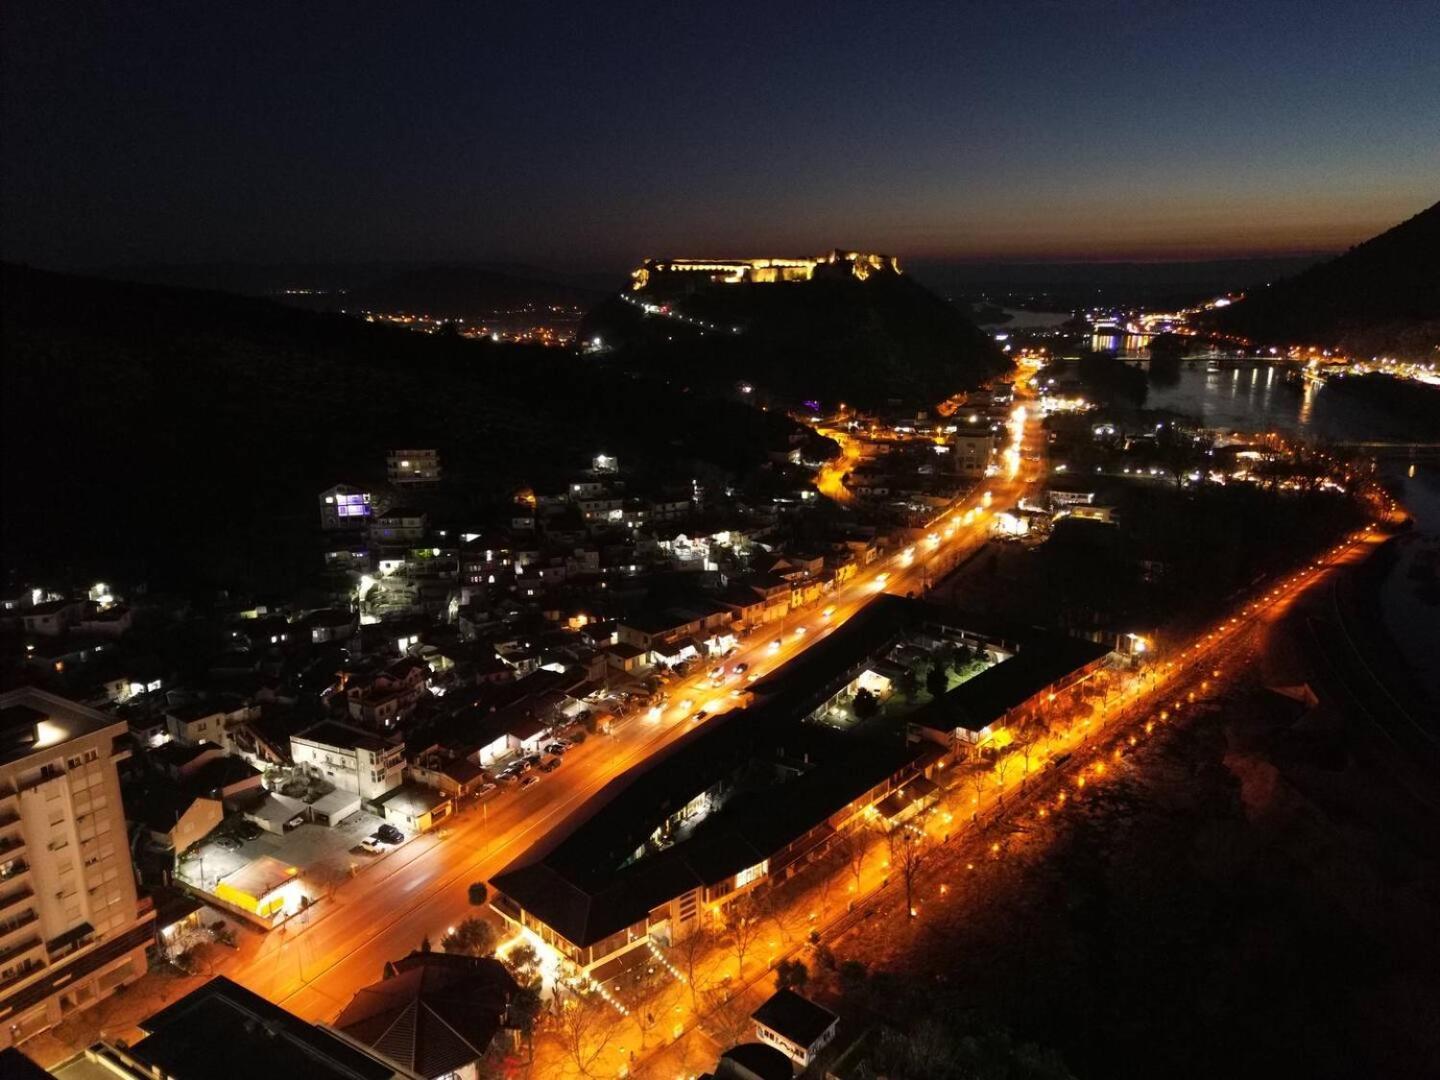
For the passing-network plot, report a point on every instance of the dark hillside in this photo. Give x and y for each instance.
(183, 436)
(866, 342)
(1381, 295)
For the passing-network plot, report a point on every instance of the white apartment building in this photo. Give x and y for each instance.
(72, 928)
(351, 758)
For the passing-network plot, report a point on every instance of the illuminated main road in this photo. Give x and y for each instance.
(316, 964)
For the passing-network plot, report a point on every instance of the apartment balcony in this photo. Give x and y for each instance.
(11, 844)
(20, 948)
(11, 928)
(9, 903)
(13, 869)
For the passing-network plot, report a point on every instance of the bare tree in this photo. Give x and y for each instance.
(742, 925)
(584, 1024)
(1002, 766)
(690, 950)
(907, 855)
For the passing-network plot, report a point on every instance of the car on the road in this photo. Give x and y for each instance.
(701, 715)
(528, 780)
(390, 834)
(741, 668)
(550, 764)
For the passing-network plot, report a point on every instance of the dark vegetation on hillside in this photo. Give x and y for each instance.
(862, 342)
(1381, 295)
(182, 437)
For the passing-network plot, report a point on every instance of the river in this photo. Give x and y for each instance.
(1258, 397)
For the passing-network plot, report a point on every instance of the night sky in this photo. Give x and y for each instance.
(596, 133)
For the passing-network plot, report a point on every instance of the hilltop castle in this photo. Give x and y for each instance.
(694, 273)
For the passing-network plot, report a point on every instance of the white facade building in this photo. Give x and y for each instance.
(72, 928)
(352, 759)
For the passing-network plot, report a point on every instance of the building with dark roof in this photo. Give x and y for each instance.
(222, 1031)
(1043, 667)
(751, 1061)
(794, 1025)
(434, 1013)
(754, 794)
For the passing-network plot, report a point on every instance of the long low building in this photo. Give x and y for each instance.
(745, 801)
(736, 805)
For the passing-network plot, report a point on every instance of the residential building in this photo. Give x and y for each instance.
(206, 720)
(794, 1025)
(345, 507)
(399, 525)
(434, 1013)
(413, 466)
(72, 929)
(52, 617)
(971, 454)
(222, 1031)
(353, 760)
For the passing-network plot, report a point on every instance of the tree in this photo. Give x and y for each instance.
(1002, 766)
(851, 844)
(907, 855)
(937, 679)
(523, 962)
(584, 1025)
(791, 975)
(742, 925)
(473, 937)
(909, 681)
(478, 894)
(690, 950)
(865, 704)
(524, 1013)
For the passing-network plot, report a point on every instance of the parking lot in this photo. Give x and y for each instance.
(323, 855)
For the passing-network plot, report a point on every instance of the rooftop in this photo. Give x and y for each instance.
(434, 1013)
(589, 885)
(980, 701)
(185, 1040)
(345, 737)
(33, 720)
(796, 1018)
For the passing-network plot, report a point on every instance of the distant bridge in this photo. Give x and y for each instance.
(1414, 451)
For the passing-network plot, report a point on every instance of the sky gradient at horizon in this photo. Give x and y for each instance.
(595, 134)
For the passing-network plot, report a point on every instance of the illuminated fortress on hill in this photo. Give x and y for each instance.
(692, 273)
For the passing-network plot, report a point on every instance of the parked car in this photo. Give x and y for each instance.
(484, 789)
(248, 830)
(556, 747)
(528, 780)
(371, 845)
(390, 834)
(227, 843)
(550, 764)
